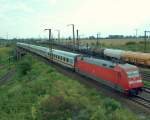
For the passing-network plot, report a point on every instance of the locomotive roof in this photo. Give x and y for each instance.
(127, 66)
(100, 62)
(107, 63)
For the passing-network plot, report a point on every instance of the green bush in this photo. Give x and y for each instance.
(0, 60)
(25, 66)
(111, 105)
(57, 108)
(131, 43)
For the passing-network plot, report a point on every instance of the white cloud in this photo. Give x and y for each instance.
(52, 2)
(89, 16)
(112, 14)
(22, 7)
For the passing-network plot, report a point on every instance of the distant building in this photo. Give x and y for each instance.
(91, 37)
(115, 36)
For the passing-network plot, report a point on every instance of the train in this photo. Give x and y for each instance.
(124, 78)
(136, 58)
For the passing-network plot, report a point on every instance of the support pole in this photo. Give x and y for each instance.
(50, 44)
(78, 39)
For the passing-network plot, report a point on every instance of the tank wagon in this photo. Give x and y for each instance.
(121, 77)
(137, 58)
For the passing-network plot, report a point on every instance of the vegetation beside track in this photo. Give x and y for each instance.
(5, 64)
(130, 46)
(39, 92)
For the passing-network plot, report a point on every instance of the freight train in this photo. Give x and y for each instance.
(137, 58)
(121, 77)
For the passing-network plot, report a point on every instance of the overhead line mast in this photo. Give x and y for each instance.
(50, 42)
(145, 38)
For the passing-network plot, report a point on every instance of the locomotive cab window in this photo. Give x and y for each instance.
(133, 74)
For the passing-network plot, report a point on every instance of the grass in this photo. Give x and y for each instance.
(5, 52)
(41, 93)
(136, 44)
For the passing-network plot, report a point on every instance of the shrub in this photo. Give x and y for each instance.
(122, 115)
(7, 45)
(131, 43)
(99, 114)
(24, 66)
(111, 105)
(57, 108)
(0, 59)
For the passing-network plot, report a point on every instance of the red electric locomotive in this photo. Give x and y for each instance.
(122, 77)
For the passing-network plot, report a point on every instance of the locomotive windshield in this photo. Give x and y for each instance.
(132, 74)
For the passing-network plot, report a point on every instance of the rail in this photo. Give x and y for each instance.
(6, 77)
(142, 101)
(146, 76)
(146, 89)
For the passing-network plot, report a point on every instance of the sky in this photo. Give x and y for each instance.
(29, 18)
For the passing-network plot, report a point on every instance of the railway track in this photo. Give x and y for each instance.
(6, 77)
(142, 101)
(145, 76)
(93, 84)
(99, 87)
(146, 89)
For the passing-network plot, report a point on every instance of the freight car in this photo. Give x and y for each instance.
(121, 77)
(137, 58)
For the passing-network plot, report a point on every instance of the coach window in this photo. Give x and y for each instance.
(82, 58)
(104, 65)
(71, 61)
(67, 60)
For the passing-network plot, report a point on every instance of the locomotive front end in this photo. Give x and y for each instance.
(135, 83)
(132, 81)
